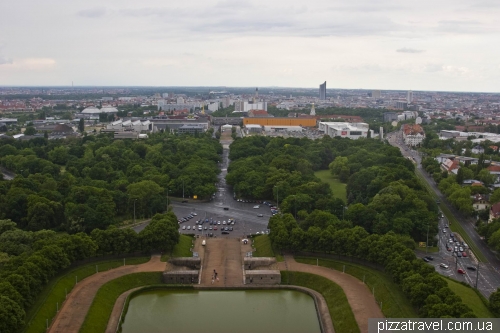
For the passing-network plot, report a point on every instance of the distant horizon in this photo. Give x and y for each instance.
(243, 87)
(443, 46)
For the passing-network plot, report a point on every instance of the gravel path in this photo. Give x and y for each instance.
(72, 314)
(358, 295)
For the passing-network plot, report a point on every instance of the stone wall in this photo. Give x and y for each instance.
(190, 262)
(262, 277)
(250, 263)
(181, 277)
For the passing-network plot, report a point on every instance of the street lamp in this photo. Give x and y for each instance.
(277, 197)
(134, 209)
(167, 197)
(427, 240)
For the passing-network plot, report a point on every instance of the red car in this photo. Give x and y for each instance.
(464, 254)
(461, 271)
(215, 228)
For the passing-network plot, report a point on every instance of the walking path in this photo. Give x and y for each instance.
(224, 256)
(358, 295)
(73, 312)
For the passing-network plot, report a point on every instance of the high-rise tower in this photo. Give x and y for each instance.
(322, 91)
(409, 96)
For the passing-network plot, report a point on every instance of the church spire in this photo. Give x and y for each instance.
(313, 111)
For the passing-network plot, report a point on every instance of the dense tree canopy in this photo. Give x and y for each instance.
(383, 192)
(31, 258)
(82, 184)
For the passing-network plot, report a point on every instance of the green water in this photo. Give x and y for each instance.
(269, 311)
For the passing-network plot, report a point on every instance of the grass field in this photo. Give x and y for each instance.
(98, 316)
(45, 306)
(394, 302)
(263, 248)
(337, 187)
(340, 311)
(181, 249)
(470, 298)
(454, 226)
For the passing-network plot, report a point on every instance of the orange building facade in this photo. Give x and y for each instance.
(280, 121)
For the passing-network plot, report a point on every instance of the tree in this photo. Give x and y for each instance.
(161, 234)
(30, 130)
(495, 303)
(81, 125)
(11, 315)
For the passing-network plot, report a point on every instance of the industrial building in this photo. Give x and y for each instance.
(282, 128)
(251, 128)
(344, 130)
(281, 121)
(174, 125)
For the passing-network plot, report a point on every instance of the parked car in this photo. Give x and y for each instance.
(460, 271)
(183, 227)
(256, 207)
(425, 259)
(189, 227)
(430, 258)
(464, 254)
(461, 249)
(443, 265)
(459, 254)
(210, 228)
(215, 228)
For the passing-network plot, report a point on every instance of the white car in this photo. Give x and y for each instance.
(224, 222)
(183, 227)
(189, 227)
(256, 207)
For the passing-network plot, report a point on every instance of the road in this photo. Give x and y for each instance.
(489, 275)
(245, 216)
(7, 175)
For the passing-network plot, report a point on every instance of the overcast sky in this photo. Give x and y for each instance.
(371, 44)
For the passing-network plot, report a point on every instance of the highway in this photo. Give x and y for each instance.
(489, 274)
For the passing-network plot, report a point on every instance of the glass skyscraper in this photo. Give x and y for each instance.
(322, 91)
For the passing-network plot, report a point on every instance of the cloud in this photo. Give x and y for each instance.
(409, 50)
(4, 60)
(92, 12)
(461, 27)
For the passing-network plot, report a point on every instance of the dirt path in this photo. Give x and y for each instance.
(224, 256)
(72, 314)
(358, 295)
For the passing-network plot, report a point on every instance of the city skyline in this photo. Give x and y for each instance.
(426, 46)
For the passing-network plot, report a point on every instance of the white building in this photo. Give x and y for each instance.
(409, 96)
(244, 106)
(213, 107)
(344, 130)
(278, 128)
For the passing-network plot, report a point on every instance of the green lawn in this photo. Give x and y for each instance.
(340, 311)
(470, 298)
(454, 226)
(181, 249)
(337, 187)
(263, 246)
(98, 316)
(394, 302)
(55, 291)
